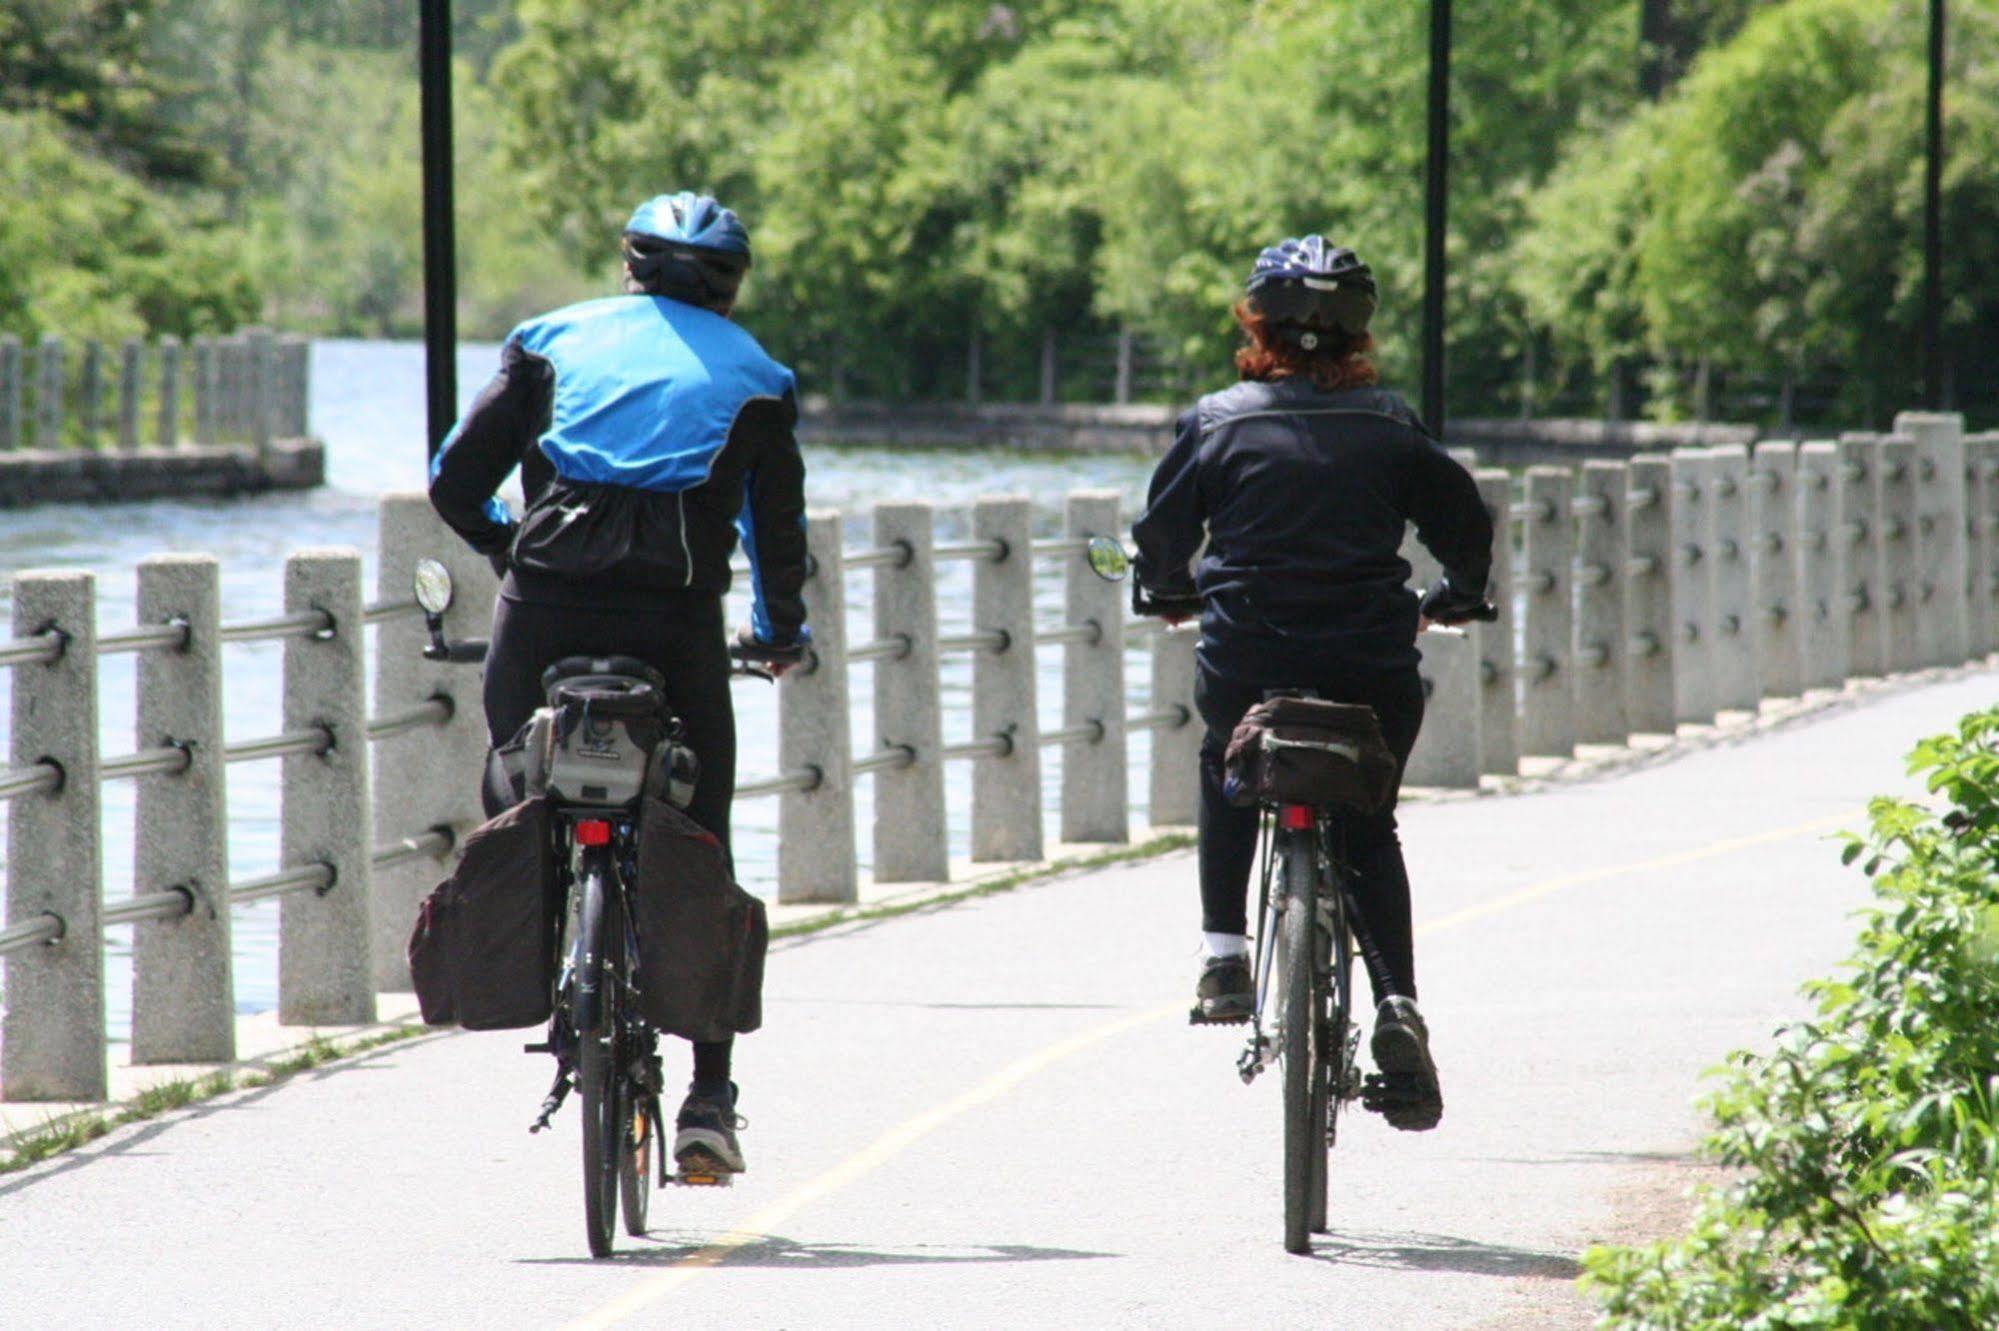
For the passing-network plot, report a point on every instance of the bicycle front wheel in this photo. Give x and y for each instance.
(597, 1077)
(1302, 1050)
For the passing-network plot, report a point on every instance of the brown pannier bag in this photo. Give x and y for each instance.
(482, 954)
(1310, 751)
(701, 938)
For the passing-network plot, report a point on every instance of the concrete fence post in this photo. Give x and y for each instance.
(1006, 790)
(1446, 755)
(1603, 558)
(183, 994)
(262, 396)
(230, 418)
(1940, 545)
(52, 1031)
(1096, 799)
(206, 390)
(325, 975)
(1734, 658)
(1900, 573)
(10, 391)
(430, 777)
(48, 393)
(1776, 610)
(1174, 796)
(1652, 641)
(167, 432)
(90, 392)
(815, 827)
(1823, 570)
(911, 843)
(1498, 707)
(1981, 462)
(1692, 572)
(130, 363)
(1547, 695)
(1865, 597)
(295, 360)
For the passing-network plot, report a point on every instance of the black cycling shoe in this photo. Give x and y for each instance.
(1405, 1091)
(704, 1141)
(1226, 994)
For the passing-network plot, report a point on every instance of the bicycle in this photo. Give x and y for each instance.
(605, 1049)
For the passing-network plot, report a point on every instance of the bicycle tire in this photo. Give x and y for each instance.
(1304, 1071)
(596, 1061)
(640, 1121)
(1338, 1045)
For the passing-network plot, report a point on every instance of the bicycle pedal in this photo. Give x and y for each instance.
(543, 1048)
(701, 1180)
(1196, 1017)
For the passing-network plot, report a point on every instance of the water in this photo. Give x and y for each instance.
(368, 406)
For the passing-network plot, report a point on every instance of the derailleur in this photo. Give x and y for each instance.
(1255, 1057)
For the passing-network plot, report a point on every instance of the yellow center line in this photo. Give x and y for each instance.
(897, 1139)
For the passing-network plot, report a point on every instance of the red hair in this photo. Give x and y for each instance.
(1339, 361)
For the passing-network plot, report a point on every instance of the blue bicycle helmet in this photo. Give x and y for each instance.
(689, 247)
(1307, 288)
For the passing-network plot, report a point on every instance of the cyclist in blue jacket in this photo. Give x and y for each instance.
(651, 432)
(1279, 515)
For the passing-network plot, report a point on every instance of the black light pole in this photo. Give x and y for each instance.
(1433, 215)
(1932, 334)
(440, 264)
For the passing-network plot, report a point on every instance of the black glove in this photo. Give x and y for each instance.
(747, 647)
(1178, 605)
(1445, 603)
(498, 555)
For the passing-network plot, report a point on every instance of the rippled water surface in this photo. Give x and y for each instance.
(367, 404)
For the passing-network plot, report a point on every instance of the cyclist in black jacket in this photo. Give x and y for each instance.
(1294, 488)
(650, 431)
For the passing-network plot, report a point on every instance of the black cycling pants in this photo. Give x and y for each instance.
(684, 639)
(1228, 833)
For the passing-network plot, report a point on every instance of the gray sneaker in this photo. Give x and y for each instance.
(704, 1139)
(1405, 1091)
(1226, 994)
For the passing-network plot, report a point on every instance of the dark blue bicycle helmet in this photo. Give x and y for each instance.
(1307, 288)
(689, 247)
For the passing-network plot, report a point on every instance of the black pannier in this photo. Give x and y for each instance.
(1310, 751)
(701, 937)
(483, 951)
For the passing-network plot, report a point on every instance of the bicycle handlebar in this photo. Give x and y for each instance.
(466, 651)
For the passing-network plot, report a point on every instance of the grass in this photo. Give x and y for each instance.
(1145, 850)
(71, 1131)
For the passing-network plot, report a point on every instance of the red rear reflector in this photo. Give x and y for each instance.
(593, 832)
(1296, 818)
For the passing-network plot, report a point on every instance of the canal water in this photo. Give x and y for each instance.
(368, 407)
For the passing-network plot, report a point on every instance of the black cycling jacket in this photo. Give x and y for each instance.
(1302, 497)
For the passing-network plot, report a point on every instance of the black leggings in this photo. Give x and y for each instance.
(683, 638)
(1228, 833)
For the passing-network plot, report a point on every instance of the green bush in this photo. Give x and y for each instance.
(1865, 1146)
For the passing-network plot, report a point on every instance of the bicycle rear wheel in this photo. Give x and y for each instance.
(639, 1120)
(597, 1078)
(1303, 1052)
(1339, 1041)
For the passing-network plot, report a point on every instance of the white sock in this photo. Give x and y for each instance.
(1225, 945)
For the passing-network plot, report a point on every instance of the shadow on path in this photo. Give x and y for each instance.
(776, 1253)
(1442, 1252)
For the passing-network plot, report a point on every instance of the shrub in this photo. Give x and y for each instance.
(1865, 1145)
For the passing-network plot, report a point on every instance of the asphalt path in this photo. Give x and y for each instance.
(994, 1115)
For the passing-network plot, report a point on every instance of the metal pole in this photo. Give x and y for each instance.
(1433, 216)
(1932, 334)
(440, 274)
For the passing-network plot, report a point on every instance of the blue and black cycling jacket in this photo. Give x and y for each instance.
(649, 434)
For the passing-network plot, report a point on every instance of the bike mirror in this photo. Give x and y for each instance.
(432, 582)
(1108, 559)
